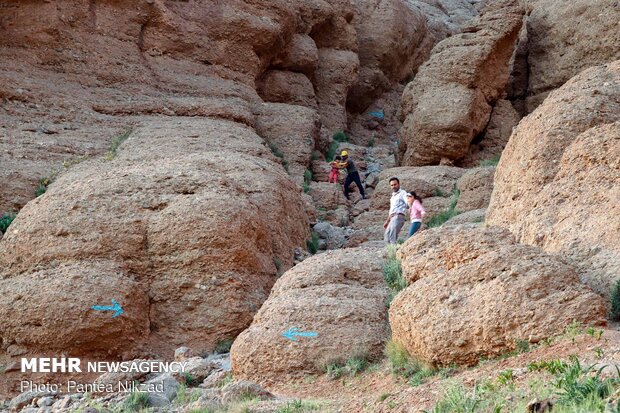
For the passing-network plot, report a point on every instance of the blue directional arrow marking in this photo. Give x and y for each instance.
(293, 333)
(116, 307)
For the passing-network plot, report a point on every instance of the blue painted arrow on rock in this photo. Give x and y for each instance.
(116, 307)
(377, 114)
(293, 333)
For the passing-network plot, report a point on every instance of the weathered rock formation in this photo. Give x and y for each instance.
(427, 182)
(556, 185)
(338, 295)
(475, 189)
(474, 292)
(178, 228)
(565, 38)
(450, 100)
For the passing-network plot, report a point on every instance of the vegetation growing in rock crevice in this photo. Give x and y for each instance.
(393, 274)
(444, 216)
(6, 220)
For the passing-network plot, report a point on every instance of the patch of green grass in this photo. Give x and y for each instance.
(299, 406)
(393, 274)
(444, 216)
(223, 346)
(278, 154)
(371, 142)
(404, 365)
(490, 162)
(136, 402)
(227, 380)
(189, 380)
(340, 136)
(614, 314)
(354, 365)
(307, 180)
(6, 220)
(116, 142)
(313, 243)
(316, 155)
(383, 397)
(185, 395)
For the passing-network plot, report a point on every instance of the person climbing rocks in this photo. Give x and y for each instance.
(416, 212)
(334, 174)
(396, 216)
(352, 175)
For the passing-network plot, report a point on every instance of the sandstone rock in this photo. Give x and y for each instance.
(475, 216)
(474, 292)
(333, 237)
(564, 39)
(426, 181)
(113, 378)
(169, 386)
(290, 132)
(504, 118)
(326, 196)
(215, 379)
(335, 295)
(300, 55)
(336, 73)
(196, 370)
(393, 43)
(24, 399)
(287, 87)
(445, 17)
(451, 98)
(475, 188)
(152, 229)
(182, 353)
(556, 184)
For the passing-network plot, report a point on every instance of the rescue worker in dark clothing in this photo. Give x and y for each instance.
(352, 175)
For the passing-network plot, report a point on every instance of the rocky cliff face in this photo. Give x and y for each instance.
(188, 221)
(556, 183)
(451, 99)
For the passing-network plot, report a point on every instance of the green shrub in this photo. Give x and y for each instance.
(136, 402)
(313, 243)
(393, 274)
(403, 364)
(298, 406)
(331, 151)
(307, 180)
(116, 142)
(223, 346)
(316, 155)
(185, 395)
(340, 136)
(371, 142)
(190, 380)
(615, 302)
(353, 366)
(6, 220)
(444, 216)
(490, 162)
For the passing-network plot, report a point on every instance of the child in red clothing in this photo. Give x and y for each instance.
(335, 172)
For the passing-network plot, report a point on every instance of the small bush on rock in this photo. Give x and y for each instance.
(615, 301)
(6, 220)
(136, 402)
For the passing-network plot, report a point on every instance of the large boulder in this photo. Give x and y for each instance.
(425, 181)
(475, 189)
(393, 42)
(445, 17)
(178, 228)
(565, 38)
(474, 292)
(451, 98)
(337, 297)
(287, 87)
(556, 185)
(290, 132)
